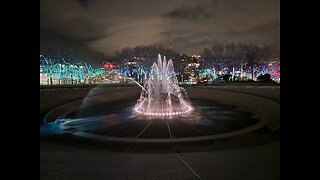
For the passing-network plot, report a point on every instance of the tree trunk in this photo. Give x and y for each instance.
(252, 72)
(241, 72)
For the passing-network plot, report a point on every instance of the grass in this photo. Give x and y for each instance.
(253, 83)
(58, 86)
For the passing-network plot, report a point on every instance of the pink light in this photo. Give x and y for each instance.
(162, 114)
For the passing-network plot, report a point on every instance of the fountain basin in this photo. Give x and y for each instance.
(264, 111)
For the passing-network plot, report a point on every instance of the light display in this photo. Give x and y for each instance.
(63, 72)
(54, 72)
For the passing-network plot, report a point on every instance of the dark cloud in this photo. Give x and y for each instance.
(267, 33)
(257, 29)
(84, 3)
(265, 27)
(188, 13)
(165, 33)
(107, 26)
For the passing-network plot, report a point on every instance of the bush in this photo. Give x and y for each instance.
(226, 77)
(264, 78)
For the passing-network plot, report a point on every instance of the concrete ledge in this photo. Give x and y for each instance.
(89, 100)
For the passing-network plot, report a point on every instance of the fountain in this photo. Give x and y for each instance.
(161, 94)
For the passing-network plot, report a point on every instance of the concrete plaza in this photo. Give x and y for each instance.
(255, 155)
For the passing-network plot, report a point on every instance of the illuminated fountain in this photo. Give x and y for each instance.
(161, 94)
(162, 114)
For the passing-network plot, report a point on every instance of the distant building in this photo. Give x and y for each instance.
(190, 66)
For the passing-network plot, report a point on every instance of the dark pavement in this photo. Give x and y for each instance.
(231, 159)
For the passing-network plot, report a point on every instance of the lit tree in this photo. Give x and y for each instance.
(59, 71)
(49, 68)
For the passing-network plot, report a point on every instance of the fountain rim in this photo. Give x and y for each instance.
(189, 108)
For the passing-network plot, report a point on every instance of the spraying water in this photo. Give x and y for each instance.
(161, 95)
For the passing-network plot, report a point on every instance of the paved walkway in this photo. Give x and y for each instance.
(62, 162)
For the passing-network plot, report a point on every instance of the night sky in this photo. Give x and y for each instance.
(106, 26)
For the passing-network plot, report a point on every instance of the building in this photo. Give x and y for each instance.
(190, 66)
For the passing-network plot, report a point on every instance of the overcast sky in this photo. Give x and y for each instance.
(110, 25)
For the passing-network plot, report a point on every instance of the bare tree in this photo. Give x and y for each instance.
(252, 54)
(218, 53)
